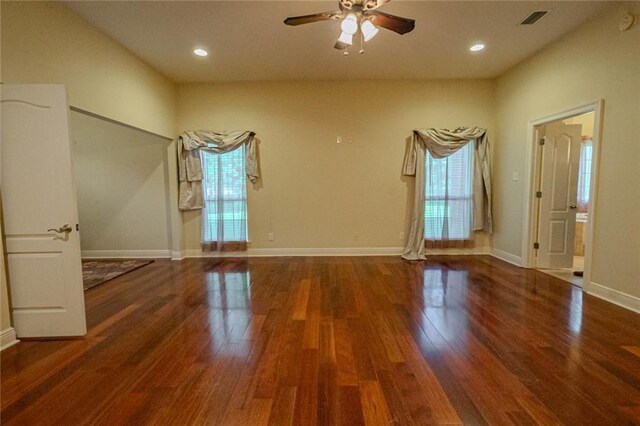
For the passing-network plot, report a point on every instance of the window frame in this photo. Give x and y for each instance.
(432, 241)
(223, 245)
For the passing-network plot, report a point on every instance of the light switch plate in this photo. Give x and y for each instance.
(515, 177)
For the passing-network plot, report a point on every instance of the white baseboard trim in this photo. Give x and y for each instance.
(458, 252)
(7, 338)
(337, 251)
(125, 254)
(614, 296)
(507, 257)
(271, 252)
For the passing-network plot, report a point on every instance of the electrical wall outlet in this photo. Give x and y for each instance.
(356, 237)
(402, 235)
(270, 236)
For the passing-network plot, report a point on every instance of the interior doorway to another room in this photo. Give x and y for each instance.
(122, 189)
(562, 189)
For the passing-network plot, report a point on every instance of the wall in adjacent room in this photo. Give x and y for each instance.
(315, 193)
(44, 42)
(586, 120)
(122, 183)
(556, 79)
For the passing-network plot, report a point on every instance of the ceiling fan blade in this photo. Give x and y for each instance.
(307, 19)
(391, 22)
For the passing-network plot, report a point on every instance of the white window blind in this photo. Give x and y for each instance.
(449, 196)
(224, 217)
(584, 174)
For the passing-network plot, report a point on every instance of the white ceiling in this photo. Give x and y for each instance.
(247, 40)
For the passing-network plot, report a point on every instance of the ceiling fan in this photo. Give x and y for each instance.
(357, 15)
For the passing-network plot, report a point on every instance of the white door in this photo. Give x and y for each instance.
(40, 213)
(559, 187)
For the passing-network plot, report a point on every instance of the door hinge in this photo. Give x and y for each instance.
(536, 246)
(542, 140)
(539, 194)
(77, 226)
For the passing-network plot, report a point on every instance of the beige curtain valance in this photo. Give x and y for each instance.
(441, 143)
(190, 166)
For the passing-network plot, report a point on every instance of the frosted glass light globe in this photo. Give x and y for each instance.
(369, 30)
(349, 24)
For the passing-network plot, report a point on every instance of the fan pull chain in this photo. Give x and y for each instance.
(361, 51)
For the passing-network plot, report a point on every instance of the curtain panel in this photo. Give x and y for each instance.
(190, 165)
(442, 143)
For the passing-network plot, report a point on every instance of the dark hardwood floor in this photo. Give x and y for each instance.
(345, 340)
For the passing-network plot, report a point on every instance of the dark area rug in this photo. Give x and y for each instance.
(96, 272)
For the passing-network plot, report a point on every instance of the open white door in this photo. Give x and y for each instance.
(559, 187)
(40, 212)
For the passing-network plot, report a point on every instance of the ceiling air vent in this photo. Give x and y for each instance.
(533, 18)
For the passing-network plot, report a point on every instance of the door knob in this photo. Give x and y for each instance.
(66, 228)
(573, 206)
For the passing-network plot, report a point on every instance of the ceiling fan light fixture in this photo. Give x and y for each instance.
(346, 38)
(349, 24)
(369, 30)
(357, 16)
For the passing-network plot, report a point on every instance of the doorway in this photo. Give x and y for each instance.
(122, 189)
(561, 192)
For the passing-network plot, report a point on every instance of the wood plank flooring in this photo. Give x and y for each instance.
(328, 341)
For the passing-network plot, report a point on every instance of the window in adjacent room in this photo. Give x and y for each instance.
(224, 217)
(584, 174)
(449, 199)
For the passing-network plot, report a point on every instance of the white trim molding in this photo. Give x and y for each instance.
(507, 257)
(532, 171)
(335, 251)
(125, 254)
(177, 255)
(269, 252)
(460, 252)
(8, 338)
(614, 296)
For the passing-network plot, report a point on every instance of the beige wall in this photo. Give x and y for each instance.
(44, 42)
(597, 61)
(315, 193)
(122, 186)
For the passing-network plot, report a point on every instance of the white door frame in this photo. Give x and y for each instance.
(532, 175)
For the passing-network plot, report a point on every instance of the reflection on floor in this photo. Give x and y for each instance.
(457, 340)
(566, 274)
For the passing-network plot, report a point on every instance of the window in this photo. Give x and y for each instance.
(584, 174)
(224, 217)
(449, 199)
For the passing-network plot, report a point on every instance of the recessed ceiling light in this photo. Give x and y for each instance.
(200, 52)
(477, 47)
